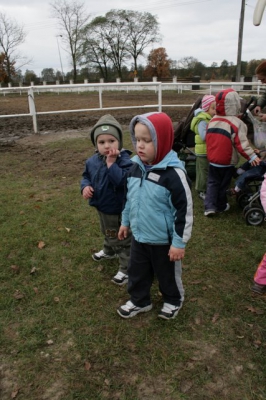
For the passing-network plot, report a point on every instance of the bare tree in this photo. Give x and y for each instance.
(96, 49)
(117, 37)
(143, 30)
(72, 18)
(11, 36)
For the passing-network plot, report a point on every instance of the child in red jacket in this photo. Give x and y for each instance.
(226, 138)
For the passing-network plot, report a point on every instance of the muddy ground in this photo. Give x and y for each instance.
(78, 123)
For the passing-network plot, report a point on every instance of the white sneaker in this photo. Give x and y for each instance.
(120, 278)
(226, 208)
(129, 310)
(209, 213)
(169, 311)
(102, 256)
(202, 195)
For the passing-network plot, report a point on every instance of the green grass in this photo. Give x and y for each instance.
(60, 335)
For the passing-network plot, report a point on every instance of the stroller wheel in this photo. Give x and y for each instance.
(246, 209)
(254, 216)
(243, 199)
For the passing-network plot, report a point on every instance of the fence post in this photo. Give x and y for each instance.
(100, 97)
(160, 97)
(32, 109)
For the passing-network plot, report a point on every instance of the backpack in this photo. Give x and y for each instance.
(183, 135)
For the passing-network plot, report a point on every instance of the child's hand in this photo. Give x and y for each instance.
(111, 157)
(262, 117)
(123, 232)
(255, 162)
(176, 254)
(87, 192)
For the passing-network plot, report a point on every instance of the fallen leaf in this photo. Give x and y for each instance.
(198, 320)
(56, 299)
(193, 299)
(67, 229)
(257, 343)
(36, 290)
(215, 317)
(255, 310)
(50, 342)
(15, 268)
(196, 282)
(87, 366)
(14, 394)
(186, 386)
(22, 212)
(33, 270)
(18, 295)
(41, 245)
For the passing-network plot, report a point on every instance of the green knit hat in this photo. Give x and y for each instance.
(107, 124)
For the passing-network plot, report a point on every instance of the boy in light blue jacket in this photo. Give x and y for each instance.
(159, 212)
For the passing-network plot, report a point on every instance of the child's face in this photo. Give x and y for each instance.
(212, 109)
(261, 78)
(144, 145)
(105, 143)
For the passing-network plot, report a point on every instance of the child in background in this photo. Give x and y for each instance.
(247, 173)
(259, 284)
(159, 211)
(261, 102)
(226, 138)
(103, 184)
(198, 125)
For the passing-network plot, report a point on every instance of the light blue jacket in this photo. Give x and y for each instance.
(159, 207)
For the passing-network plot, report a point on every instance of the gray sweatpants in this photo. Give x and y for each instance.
(110, 225)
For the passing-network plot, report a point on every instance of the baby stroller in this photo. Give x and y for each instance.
(253, 177)
(253, 212)
(184, 141)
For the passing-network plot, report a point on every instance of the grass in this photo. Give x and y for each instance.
(60, 335)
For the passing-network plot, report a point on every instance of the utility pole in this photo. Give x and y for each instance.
(240, 40)
(57, 36)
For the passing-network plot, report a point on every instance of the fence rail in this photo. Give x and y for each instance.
(157, 87)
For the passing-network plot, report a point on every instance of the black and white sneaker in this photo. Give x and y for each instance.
(102, 256)
(120, 279)
(129, 310)
(202, 195)
(169, 311)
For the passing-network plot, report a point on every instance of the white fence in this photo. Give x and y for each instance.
(157, 87)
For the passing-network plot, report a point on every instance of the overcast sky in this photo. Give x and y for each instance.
(203, 29)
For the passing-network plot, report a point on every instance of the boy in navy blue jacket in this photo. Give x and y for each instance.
(103, 184)
(159, 212)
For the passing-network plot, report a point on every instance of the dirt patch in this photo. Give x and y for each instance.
(71, 124)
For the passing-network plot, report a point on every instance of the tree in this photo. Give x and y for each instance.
(252, 65)
(224, 67)
(4, 70)
(118, 36)
(30, 76)
(108, 39)
(143, 31)
(11, 36)
(48, 75)
(96, 48)
(72, 18)
(158, 64)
